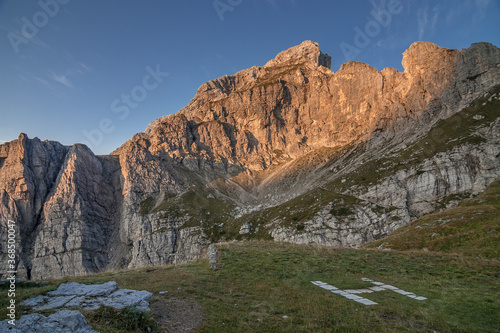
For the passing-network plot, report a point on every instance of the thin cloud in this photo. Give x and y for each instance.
(477, 9)
(41, 44)
(62, 79)
(85, 67)
(435, 17)
(422, 20)
(79, 69)
(75, 66)
(42, 81)
(51, 87)
(25, 40)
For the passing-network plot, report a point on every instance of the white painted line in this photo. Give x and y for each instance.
(318, 283)
(377, 283)
(366, 301)
(328, 287)
(379, 286)
(387, 286)
(358, 291)
(402, 292)
(365, 291)
(352, 291)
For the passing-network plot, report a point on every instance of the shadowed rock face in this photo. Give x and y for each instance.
(242, 138)
(62, 199)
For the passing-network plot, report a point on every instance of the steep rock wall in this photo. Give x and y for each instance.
(235, 143)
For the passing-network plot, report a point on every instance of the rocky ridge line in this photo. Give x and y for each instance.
(245, 143)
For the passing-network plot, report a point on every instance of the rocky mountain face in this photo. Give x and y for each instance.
(289, 151)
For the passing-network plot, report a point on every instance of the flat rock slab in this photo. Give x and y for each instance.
(53, 303)
(35, 301)
(79, 289)
(125, 297)
(63, 321)
(90, 297)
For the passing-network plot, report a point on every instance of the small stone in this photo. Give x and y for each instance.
(246, 228)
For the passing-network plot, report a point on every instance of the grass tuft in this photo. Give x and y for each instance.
(109, 320)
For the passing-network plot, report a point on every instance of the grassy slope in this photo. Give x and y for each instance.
(472, 228)
(260, 282)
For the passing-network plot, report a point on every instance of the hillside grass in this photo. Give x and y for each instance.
(472, 228)
(201, 209)
(261, 282)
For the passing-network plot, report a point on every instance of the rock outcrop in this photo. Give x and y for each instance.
(74, 295)
(62, 321)
(250, 145)
(68, 300)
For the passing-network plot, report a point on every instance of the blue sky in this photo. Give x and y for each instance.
(98, 71)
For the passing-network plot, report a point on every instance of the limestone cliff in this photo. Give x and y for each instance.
(290, 151)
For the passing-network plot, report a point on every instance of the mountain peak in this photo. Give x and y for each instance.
(307, 50)
(421, 56)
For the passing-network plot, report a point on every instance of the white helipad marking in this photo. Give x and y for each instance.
(344, 293)
(359, 291)
(386, 286)
(379, 286)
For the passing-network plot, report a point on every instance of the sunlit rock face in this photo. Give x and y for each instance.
(245, 143)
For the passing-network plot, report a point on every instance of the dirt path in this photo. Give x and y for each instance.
(176, 315)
